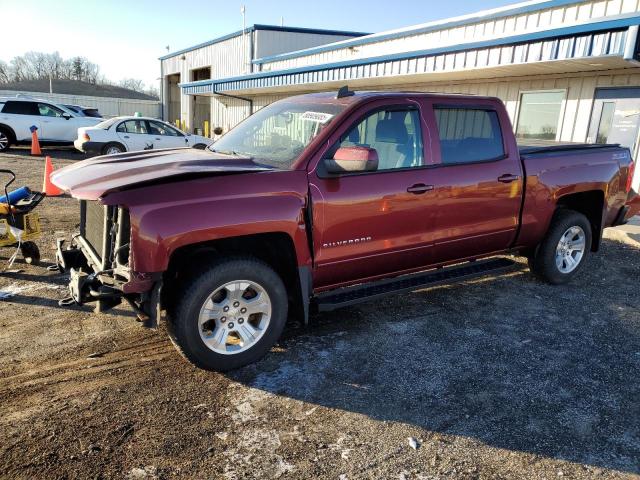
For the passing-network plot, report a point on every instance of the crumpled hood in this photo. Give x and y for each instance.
(93, 178)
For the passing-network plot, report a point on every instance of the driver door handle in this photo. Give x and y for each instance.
(508, 178)
(419, 188)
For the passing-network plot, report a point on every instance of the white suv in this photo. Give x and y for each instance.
(56, 124)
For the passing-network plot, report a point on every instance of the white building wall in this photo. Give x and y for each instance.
(543, 19)
(225, 58)
(273, 42)
(108, 106)
(228, 112)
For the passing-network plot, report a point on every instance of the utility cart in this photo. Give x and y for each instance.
(19, 224)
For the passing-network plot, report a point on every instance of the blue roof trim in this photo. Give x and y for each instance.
(617, 23)
(429, 27)
(272, 28)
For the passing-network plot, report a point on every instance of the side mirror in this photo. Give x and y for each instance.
(66, 115)
(352, 159)
(217, 131)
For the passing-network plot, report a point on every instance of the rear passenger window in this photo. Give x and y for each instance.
(468, 135)
(133, 126)
(21, 108)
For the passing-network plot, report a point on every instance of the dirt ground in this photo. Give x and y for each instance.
(501, 377)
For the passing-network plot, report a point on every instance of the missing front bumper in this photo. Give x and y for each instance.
(102, 288)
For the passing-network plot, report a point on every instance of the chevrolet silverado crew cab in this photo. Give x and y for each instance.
(324, 200)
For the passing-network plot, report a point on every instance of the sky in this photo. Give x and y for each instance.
(126, 37)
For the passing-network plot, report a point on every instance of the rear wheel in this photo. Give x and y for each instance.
(5, 140)
(112, 149)
(565, 248)
(229, 315)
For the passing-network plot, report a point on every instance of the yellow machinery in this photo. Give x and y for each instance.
(19, 224)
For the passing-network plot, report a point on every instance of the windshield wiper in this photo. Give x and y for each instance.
(231, 152)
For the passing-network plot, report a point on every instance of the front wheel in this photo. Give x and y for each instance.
(565, 248)
(230, 315)
(5, 140)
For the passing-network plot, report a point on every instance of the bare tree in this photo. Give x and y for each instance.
(132, 84)
(4, 72)
(38, 65)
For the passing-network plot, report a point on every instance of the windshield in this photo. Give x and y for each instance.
(276, 135)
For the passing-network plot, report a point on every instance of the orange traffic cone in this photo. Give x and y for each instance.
(35, 144)
(47, 187)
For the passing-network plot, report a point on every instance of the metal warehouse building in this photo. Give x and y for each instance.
(566, 69)
(229, 56)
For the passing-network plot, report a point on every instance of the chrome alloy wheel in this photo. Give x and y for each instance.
(4, 141)
(234, 317)
(570, 249)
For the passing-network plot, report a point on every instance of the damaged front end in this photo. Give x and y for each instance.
(98, 261)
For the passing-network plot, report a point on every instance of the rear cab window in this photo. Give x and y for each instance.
(468, 134)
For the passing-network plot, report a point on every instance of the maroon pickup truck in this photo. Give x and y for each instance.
(324, 200)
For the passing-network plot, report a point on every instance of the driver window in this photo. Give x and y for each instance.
(394, 134)
(48, 111)
(158, 128)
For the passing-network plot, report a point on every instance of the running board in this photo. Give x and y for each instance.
(406, 283)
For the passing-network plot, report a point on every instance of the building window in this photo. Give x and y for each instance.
(201, 74)
(606, 119)
(540, 115)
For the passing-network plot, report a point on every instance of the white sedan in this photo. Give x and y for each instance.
(130, 134)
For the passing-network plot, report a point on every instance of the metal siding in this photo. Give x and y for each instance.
(273, 42)
(531, 52)
(483, 30)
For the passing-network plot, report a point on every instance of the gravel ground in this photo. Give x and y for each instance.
(503, 377)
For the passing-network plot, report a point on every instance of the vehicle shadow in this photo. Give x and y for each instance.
(510, 361)
(53, 303)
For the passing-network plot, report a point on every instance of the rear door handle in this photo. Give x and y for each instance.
(419, 188)
(508, 178)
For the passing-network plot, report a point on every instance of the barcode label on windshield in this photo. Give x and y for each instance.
(319, 117)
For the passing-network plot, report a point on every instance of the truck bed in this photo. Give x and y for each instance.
(551, 146)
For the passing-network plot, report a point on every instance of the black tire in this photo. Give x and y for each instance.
(6, 139)
(119, 146)
(30, 252)
(199, 146)
(184, 328)
(543, 264)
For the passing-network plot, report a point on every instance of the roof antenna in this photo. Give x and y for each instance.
(345, 92)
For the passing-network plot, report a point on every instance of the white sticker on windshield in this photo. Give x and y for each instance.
(319, 117)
